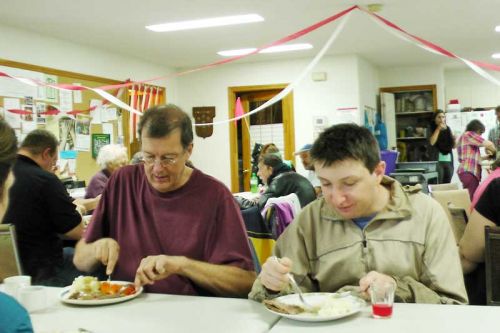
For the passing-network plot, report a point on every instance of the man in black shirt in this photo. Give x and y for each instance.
(42, 211)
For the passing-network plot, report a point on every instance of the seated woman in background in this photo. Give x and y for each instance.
(110, 158)
(13, 317)
(271, 148)
(485, 212)
(280, 181)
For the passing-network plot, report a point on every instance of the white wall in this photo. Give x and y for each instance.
(210, 88)
(471, 89)
(27, 47)
(415, 75)
(369, 84)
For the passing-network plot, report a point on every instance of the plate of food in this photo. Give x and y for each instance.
(325, 306)
(87, 290)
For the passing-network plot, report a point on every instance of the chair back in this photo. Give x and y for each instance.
(442, 187)
(9, 258)
(454, 199)
(261, 238)
(492, 263)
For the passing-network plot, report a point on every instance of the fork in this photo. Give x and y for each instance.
(297, 290)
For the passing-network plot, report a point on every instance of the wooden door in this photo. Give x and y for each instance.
(242, 140)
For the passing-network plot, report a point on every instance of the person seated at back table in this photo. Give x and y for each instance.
(367, 227)
(280, 181)
(110, 158)
(165, 225)
(42, 212)
(485, 212)
(13, 317)
(305, 157)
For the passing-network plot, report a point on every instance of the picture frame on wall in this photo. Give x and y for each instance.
(99, 140)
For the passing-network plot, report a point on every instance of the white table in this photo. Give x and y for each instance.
(406, 318)
(150, 313)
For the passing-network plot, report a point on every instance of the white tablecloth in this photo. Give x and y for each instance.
(406, 318)
(151, 313)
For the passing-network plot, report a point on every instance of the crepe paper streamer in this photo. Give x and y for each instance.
(431, 47)
(18, 111)
(51, 112)
(238, 111)
(474, 65)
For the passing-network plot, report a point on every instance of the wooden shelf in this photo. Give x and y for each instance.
(412, 138)
(414, 113)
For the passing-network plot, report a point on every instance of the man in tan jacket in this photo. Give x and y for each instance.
(367, 227)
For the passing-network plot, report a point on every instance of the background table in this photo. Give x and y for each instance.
(406, 318)
(155, 313)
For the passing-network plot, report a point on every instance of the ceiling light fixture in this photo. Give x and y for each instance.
(273, 49)
(205, 23)
(497, 28)
(495, 55)
(287, 47)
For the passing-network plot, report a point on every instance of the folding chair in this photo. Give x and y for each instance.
(9, 258)
(492, 264)
(454, 199)
(442, 187)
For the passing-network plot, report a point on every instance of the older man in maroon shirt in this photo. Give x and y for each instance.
(168, 226)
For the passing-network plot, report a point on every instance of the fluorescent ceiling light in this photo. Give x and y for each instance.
(495, 55)
(287, 47)
(273, 49)
(206, 23)
(497, 28)
(232, 53)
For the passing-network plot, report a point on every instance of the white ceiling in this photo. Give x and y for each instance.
(465, 27)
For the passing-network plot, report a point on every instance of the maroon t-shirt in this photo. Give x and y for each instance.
(200, 220)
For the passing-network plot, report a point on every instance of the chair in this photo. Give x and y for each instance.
(454, 199)
(492, 264)
(9, 258)
(443, 187)
(261, 238)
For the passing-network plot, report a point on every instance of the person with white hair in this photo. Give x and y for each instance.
(110, 158)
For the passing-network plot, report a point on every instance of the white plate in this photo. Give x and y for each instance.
(316, 299)
(64, 297)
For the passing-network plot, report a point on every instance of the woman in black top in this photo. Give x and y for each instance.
(443, 142)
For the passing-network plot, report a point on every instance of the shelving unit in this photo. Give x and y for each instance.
(413, 107)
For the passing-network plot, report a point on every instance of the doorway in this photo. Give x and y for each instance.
(273, 124)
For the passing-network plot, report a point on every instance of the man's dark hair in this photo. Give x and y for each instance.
(8, 150)
(161, 120)
(497, 109)
(346, 142)
(272, 160)
(475, 126)
(38, 140)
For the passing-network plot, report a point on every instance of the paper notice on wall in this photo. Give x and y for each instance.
(77, 94)
(107, 128)
(14, 120)
(111, 114)
(65, 100)
(15, 88)
(95, 114)
(346, 115)
(82, 131)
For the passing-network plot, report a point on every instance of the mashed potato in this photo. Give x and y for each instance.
(85, 285)
(334, 306)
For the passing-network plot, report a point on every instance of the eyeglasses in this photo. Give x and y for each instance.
(163, 161)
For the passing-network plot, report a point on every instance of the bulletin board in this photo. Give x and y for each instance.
(86, 166)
